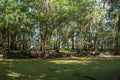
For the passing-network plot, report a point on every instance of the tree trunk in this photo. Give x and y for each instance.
(119, 33)
(57, 40)
(0, 39)
(95, 43)
(119, 24)
(8, 41)
(42, 47)
(23, 45)
(73, 42)
(43, 38)
(57, 46)
(116, 44)
(116, 37)
(88, 45)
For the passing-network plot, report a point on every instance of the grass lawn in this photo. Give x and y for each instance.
(74, 68)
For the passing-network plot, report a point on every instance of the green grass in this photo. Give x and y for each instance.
(65, 50)
(68, 50)
(74, 68)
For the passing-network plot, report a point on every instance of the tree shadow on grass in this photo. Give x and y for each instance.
(84, 68)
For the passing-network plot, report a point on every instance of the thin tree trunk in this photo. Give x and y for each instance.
(0, 39)
(23, 47)
(8, 41)
(95, 43)
(57, 40)
(73, 42)
(119, 24)
(116, 47)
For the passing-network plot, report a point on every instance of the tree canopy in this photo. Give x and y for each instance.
(60, 24)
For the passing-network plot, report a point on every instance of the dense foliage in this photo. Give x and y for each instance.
(60, 24)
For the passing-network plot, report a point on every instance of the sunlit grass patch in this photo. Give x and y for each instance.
(14, 74)
(67, 50)
(70, 62)
(1, 59)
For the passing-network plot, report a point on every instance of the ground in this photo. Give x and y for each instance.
(72, 68)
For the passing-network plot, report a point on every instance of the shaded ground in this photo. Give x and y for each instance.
(28, 54)
(74, 68)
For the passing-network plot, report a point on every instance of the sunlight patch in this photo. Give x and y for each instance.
(1, 59)
(57, 71)
(11, 60)
(42, 75)
(70, 61)
(14, 74)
